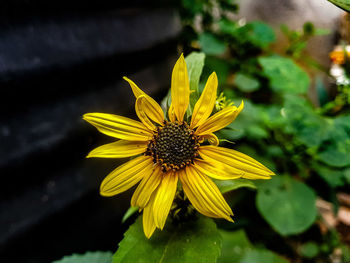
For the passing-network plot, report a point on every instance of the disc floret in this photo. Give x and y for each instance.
(173, 146)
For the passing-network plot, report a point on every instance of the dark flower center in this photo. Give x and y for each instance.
(174, 146)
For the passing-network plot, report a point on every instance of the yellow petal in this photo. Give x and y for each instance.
(180, 88)
(164, 198)
(208, 199)
(140, 111)
(135, 89)
(119, 127)
(235, 161)
(147, 218)
(148, 109)
(148, 104)
(206, 102)
(119, 149)
(219, 120)
(212, 139)
(218, 171)
(145, 189)
(171, 113)
(126, 176)
(196, 200)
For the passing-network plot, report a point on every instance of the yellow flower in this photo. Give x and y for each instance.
(338, 57)
(171, 149)
(339, 54)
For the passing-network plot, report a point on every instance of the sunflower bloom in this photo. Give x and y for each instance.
(170, 152)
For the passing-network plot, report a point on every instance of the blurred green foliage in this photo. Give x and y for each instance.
(236, 247)
(309, 250)
(297, 40)
(308, 142)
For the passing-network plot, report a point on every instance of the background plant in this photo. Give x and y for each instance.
(307, 144)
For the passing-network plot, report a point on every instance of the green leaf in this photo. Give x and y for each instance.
(211, 45)
(343, 4)
(228, 27)
(284, 74)
(336, 154)
(246, 83)
(254, 34)
(309, 250)
(260, 255)
(234, 246)
(286, 204)
(261, 34)
(333, 178)
(91, 257)
(194, 241)
(166, 101)
(302, 121)
(335, 150)
(132, 210)
(195, 64)
(230, 185)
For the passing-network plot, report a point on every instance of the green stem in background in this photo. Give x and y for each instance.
(343, 4)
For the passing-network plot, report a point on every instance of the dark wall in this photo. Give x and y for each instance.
(58, 62)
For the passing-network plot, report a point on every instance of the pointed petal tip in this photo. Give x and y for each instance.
(263, 177)
(88, 116)
(85, 116)
(230, 212)
(148, 234)
(214, 78)
(230, 219)
(242, 103)
(182, 59)
(128, 80)
(213, 74)
(240, 107)
(269, 173)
